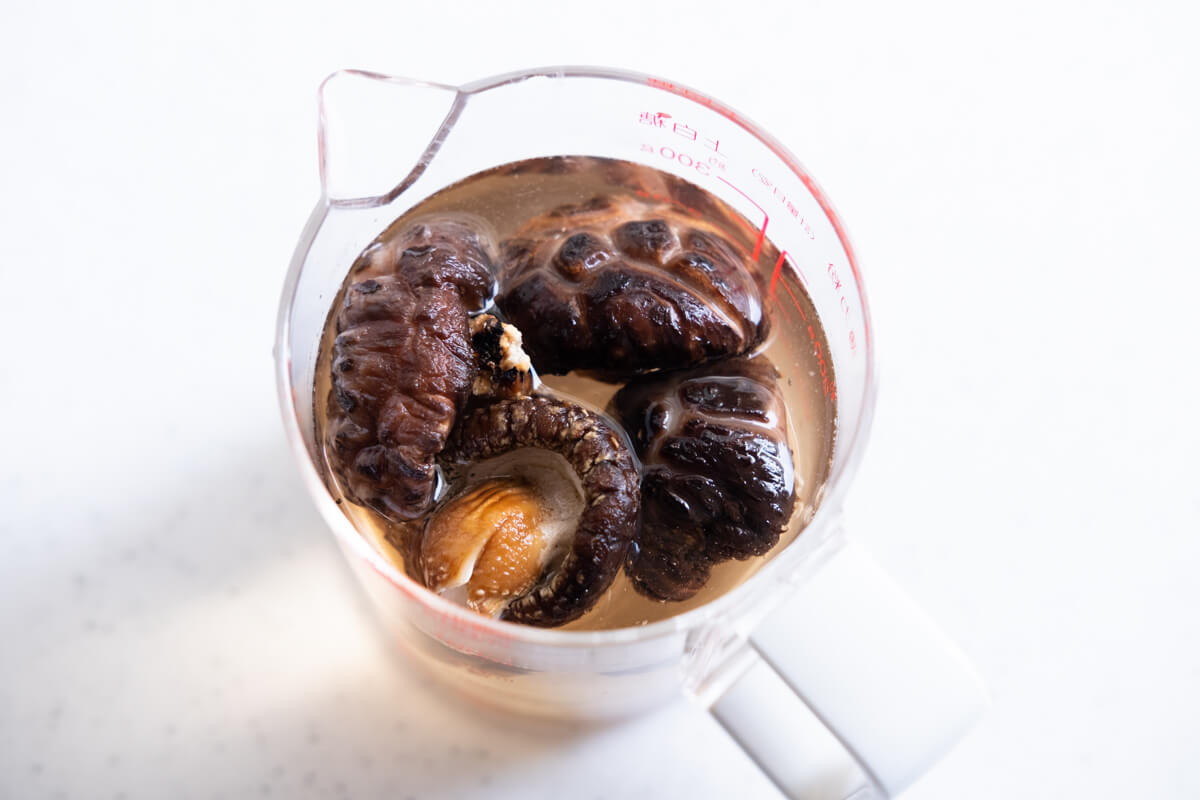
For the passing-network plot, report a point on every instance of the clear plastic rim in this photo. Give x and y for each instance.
(462, 618)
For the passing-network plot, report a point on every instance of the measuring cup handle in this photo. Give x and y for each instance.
(884, 680)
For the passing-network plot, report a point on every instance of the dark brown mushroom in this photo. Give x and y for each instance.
(444, 251)
(621, 285)
(607, 474)
(719, 480)
(402, 369)
(402, 363)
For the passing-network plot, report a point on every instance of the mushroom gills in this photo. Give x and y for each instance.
(512, 521)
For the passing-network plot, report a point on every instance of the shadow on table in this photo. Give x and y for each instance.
(259, 665)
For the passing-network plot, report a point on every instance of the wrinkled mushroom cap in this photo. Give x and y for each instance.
(442, 251)
(624, 285)
(402, 366)
(719, 480)
(402, 369)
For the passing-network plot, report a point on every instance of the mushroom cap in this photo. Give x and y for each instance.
(443, 251)
(402, 369)
(719, 480)
(402, 366)
(623, 285)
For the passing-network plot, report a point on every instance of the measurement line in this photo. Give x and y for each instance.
(779, 271)
(783, 309)
(762, 234)
(803, 316)
(775, 273)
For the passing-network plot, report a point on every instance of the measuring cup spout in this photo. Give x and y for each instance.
(377, 134)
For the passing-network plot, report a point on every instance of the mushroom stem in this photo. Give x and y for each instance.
(608, 476)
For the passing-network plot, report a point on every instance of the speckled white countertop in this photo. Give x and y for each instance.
(1020, 183)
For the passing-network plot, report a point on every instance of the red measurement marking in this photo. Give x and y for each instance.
(800, 172)
(762, 234)
(844, 239)
(684, 160)
(775, 273)
(799, 307)
(827, 385)
(779, 270)
(783, 309)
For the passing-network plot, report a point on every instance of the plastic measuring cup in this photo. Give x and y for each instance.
(820, 621)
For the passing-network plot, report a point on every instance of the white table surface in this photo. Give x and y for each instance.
(1021, 184)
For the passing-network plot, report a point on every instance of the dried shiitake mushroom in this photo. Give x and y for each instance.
(622, 285)
(719, 481)
(439, 252)
(403, 365)
(574, 572)
(402, 369)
